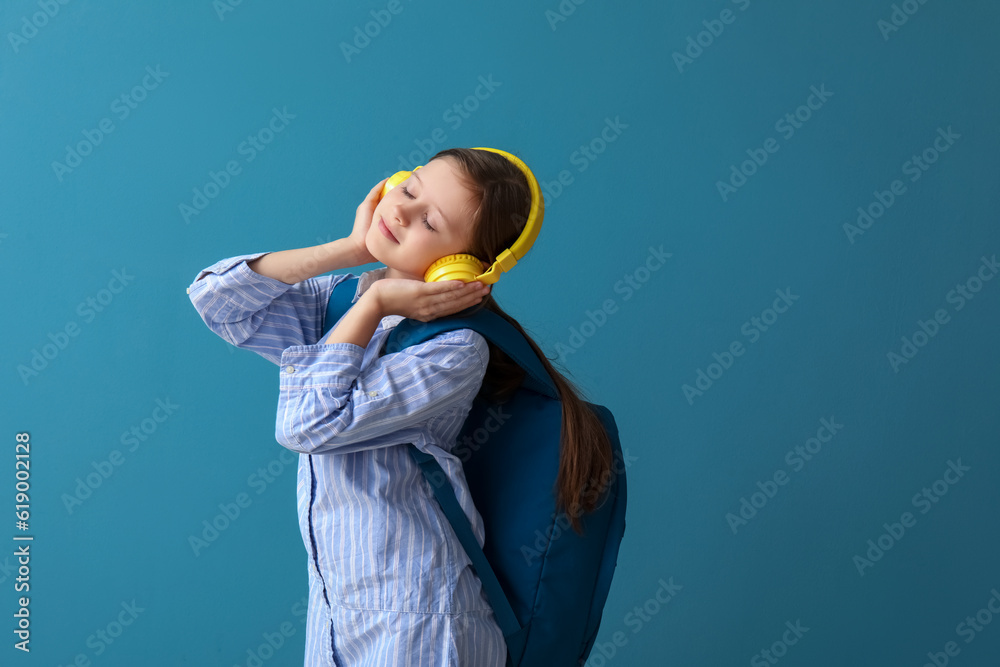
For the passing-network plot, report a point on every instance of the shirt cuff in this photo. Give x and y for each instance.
(335, 365)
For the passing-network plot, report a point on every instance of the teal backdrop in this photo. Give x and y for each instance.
(770, 248)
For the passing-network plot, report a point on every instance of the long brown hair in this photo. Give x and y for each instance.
(585, 459)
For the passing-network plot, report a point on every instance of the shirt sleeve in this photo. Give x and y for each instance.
(260, 313)
(328, 404)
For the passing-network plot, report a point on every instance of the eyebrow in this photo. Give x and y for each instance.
(440, 214)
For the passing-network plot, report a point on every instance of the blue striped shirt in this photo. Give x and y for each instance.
(389, 582)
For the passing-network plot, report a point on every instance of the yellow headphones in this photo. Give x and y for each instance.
(466, 267)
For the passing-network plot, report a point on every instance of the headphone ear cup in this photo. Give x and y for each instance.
(395, 180)
(454, 267)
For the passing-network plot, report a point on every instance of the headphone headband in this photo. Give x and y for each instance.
(510, 256)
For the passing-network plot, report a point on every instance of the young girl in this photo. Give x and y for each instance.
(389, 582)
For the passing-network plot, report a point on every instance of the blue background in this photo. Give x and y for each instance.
(556, 85)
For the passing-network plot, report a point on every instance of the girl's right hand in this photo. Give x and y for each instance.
(423, 301)
(363, 220)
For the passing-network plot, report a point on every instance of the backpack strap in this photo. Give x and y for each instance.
(501, 333)
(340, 302)
(491, 326)
(512, 631)
(485, 322)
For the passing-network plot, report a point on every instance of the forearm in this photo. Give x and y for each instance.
(359, 324)
(294, 266)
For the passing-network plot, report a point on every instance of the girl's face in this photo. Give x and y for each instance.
(429, 215)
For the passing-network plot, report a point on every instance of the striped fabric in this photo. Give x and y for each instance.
(389, 583)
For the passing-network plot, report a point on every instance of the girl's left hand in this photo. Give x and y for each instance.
(422, 301)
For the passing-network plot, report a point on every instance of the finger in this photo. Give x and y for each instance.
(446, 287)
(446, 294)
(470, 291)
(450, 296)
(378, 188)
(457, 296)
(470, 297)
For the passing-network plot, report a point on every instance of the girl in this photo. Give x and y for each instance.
(389, 582)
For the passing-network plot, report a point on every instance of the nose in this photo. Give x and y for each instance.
(400, 216)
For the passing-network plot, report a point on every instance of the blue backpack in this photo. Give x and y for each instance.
(547, 585)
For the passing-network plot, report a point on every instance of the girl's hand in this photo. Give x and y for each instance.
(363, 220)
(422, 301)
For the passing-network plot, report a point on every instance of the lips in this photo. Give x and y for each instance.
(385, 230)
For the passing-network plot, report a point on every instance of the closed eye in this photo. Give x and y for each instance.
(408, 194)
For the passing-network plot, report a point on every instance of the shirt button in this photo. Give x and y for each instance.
(290, 369)
(373, 393)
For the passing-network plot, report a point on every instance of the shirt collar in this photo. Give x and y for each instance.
(365, 281)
